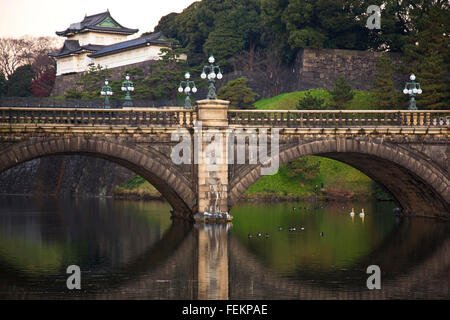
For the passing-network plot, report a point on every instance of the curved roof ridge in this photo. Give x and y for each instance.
(74, 47)
(91, 23)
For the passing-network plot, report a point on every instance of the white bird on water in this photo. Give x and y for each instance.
(352, 213)
(362, 214)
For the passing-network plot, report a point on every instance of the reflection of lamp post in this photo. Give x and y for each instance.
(211, 76)
(412, 88)
(187, 90)
(106, 91)
(128, 87)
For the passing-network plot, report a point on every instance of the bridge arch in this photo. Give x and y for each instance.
(419, 185)
(148, 163)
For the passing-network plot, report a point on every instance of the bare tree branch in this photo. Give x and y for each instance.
(31, 50)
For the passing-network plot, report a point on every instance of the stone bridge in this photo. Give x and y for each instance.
(407, 152)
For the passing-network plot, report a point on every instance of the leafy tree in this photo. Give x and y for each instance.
(341, 93)
(223, 43)
(306, 38)
(343, 23)
(237, 29)
(310, 102)
(169, 70)
(43, 86)
(285, 26)
(166, 25)
(3, 88)
(229, 27)
(141, 89)
(73, 93)
(395, 25)
(427, 52)
(239, 95)
(275, 20)
(92, 81)
(316, 24)
(340, 24)
(434, 83)
(222, 28)
(190, 32)
(19, 83)
(384, 92)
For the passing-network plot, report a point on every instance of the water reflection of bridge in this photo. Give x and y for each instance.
(209, 263)
(264, 284)
(223, 268)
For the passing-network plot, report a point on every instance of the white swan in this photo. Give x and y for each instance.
(362, 214)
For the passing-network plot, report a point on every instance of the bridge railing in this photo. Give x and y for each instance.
(338, 118)
(90, 117)
(276, 118)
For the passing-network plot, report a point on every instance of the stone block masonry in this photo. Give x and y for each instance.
(320, 68)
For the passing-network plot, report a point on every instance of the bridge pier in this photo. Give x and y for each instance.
(210, 147)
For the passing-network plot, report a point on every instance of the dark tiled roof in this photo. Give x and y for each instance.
(93, 47)
(91, 23)
(73, 47)
(154, 38)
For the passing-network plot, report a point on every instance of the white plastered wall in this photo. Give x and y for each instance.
(98, 38)
(74, 63)
(129, 57)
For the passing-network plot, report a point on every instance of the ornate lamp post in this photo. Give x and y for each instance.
(211, 77)
(187, 90)
(412, 88)
(127, 86)
(106, 91)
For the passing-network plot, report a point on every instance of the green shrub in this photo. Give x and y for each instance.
(310, 102)
(341, 93)
(239, 95)
(73, 93)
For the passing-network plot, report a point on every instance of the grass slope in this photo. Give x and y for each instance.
(334, 180)
(137, 188)
(362, 100)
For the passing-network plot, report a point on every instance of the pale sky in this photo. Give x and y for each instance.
(43, 17)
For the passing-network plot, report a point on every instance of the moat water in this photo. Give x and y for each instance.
(133, 250)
